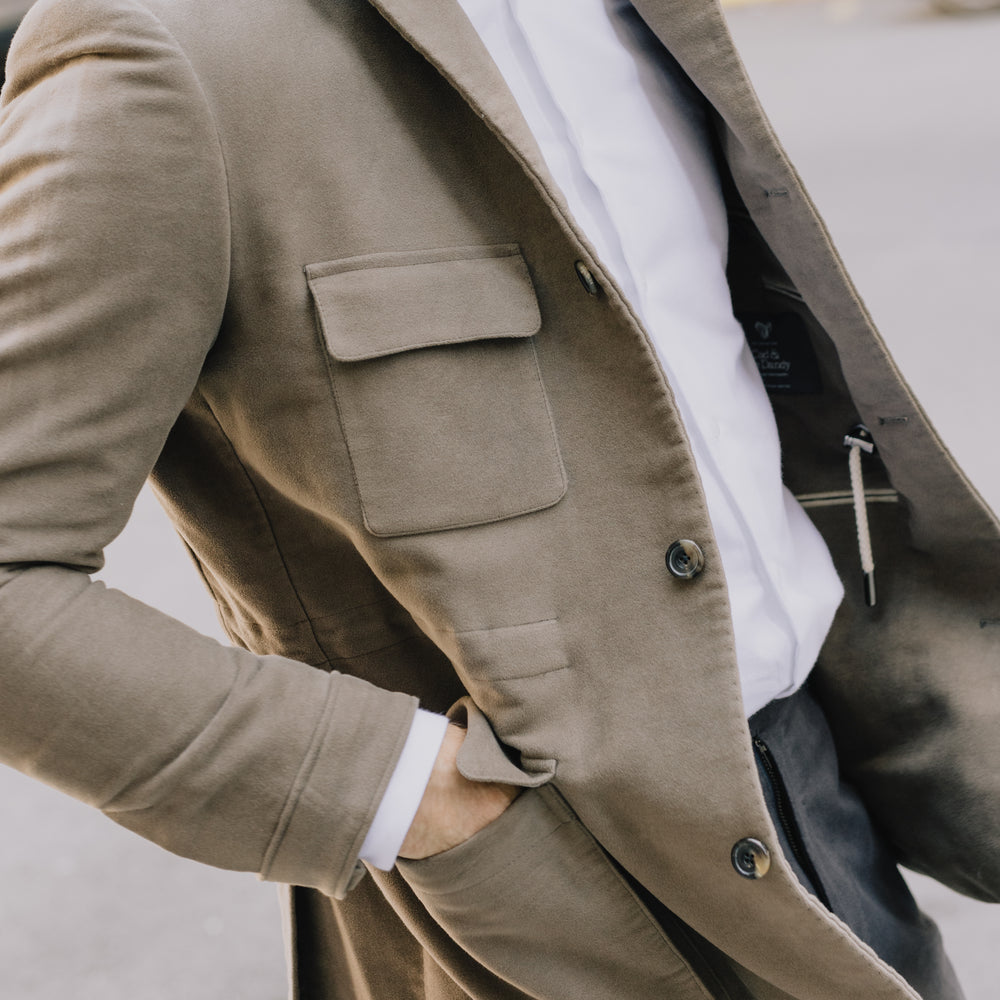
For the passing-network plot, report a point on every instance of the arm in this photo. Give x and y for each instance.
(113, 279)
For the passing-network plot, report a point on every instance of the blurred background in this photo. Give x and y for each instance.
(890, 110)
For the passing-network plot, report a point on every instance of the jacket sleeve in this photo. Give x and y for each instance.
(114, 264)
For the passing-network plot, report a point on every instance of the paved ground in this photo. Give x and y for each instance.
(891, 115)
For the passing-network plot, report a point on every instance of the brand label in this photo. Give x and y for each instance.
(784, 356)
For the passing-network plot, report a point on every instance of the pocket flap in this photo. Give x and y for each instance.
(388, 303)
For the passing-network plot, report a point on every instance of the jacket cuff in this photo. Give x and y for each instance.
(337, 792)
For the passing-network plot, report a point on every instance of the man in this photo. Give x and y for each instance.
(378, 317)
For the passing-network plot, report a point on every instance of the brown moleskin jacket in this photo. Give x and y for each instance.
(303, 261)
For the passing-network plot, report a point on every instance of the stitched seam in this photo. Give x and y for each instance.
(330, 661)
(334, 616)
(387, 599)
(826, 917)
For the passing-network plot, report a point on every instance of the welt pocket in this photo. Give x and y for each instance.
(437, 384)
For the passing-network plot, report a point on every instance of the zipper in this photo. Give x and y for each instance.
(786, 819)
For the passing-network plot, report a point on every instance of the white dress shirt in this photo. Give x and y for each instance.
(625, 136)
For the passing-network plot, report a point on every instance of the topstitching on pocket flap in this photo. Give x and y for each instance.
(387, 303)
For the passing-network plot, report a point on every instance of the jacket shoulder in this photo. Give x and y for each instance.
(55, 32)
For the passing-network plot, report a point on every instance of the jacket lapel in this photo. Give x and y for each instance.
(441, 32)
(694, 31)
(697, 36)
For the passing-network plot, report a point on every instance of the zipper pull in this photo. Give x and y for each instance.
(859, 439)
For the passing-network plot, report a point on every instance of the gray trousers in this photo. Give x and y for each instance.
(828, 837)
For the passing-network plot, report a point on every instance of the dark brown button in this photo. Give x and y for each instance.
(685, 560)
(587, 278)
(751, 858)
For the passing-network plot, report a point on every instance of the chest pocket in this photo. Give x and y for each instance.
(437, 386)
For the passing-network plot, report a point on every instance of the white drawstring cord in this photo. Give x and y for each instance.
(858, 440)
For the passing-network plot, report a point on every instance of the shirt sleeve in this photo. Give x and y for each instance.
(404, 791)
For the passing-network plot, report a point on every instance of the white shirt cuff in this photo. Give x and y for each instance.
(406, 787)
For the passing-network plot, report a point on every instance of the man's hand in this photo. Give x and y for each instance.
(453, 808)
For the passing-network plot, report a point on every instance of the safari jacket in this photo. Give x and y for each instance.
(304, 264)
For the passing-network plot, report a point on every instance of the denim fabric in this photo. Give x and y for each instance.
(828, 837)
